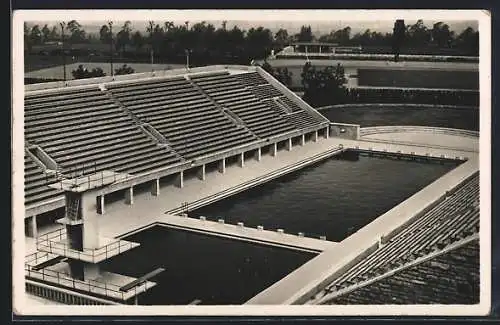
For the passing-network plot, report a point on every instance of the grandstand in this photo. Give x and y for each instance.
(154, 125)
(146, 124)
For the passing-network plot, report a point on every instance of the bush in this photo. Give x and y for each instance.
(82, 73)
(124, 69)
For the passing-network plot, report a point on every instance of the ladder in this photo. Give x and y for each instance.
(73, 206)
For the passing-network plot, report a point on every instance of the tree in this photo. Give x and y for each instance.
(305, 34)
(281, 38)
(77, 34)
(27, 38)
(124, 69)
(259, 42)
(54, 34)
(468, 40)
(398, 37)
(137, 40)
(123, 37)
(281, 74)
(418, 35)
(105, 34)
(81, 73)
(441, 34)
(46, 33)
(36, 35)
(323, 87)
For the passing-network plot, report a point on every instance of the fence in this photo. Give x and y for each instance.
(62, 279)
(54, 243)
(63, 296)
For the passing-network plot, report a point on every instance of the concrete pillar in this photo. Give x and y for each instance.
(91, 271)
(258, 154)
(129, 195)
(289, 144)
(32, 230)
(274, 149)
(155, 189)
(222, 165)
(241, 160)
(315, 136)
(100, 204)
(201, 172)
(90, 220)
(302, 139)
(179, 180)
(327, 132)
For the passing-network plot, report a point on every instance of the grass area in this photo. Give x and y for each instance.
(419, 78)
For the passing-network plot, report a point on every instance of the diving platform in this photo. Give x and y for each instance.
(143, 279)
(89, 182)
(57, 242)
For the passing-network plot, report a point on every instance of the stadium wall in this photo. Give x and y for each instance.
(133, 77)
(345, 131)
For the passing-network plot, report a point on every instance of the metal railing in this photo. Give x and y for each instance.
(91, 286)
(54, 243)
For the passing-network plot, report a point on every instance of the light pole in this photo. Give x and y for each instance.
(152, 60)
(187, 59)
(110, 24)
(63, 24)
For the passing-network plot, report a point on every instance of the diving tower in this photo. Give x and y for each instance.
(71, 255)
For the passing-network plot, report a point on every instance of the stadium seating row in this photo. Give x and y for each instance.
(451, 278)
(90, 133)
(35, 183)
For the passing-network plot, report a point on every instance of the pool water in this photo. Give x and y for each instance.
(333, 198)
(213, 270)
(374, 115)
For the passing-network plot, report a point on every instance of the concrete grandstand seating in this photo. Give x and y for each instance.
(454, 218)
(88, 128)
(265, 91)
(191, 123)
(35, 183)
(84, 130)
(257, 116)
(451, 278)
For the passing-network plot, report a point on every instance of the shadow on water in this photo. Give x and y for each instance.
(211, 269)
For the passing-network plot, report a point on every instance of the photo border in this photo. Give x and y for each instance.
(373, 310)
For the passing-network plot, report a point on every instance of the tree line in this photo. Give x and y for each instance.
(206, 43)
